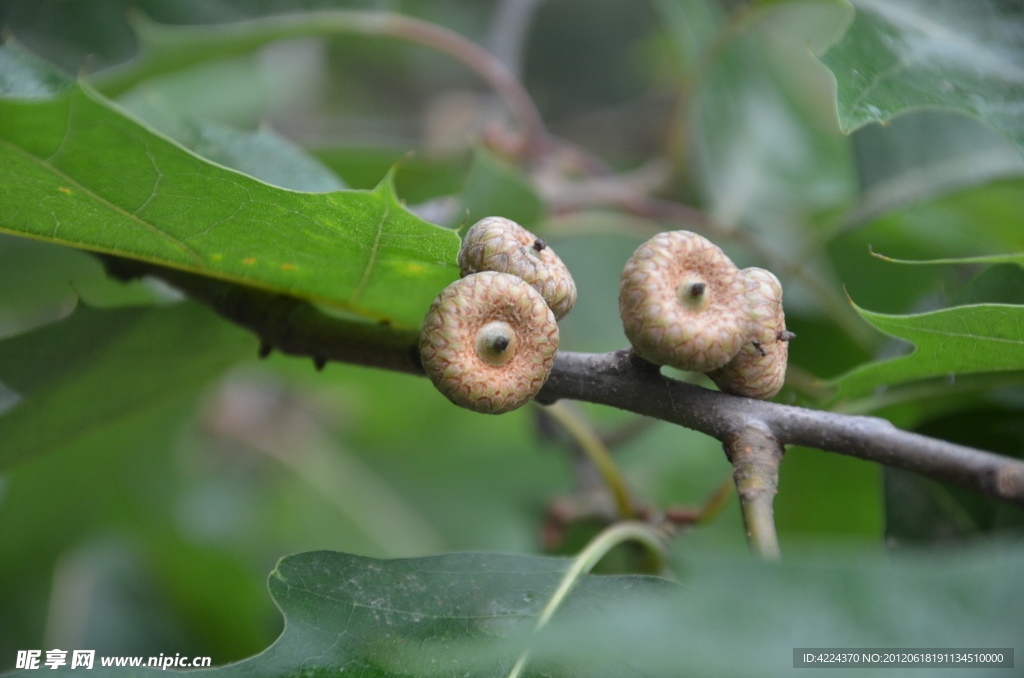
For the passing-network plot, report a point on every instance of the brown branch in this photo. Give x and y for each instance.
(286, 324)
(619, 379)
(625, 381)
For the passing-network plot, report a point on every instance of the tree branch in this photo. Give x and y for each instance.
(619, 379)
(755, 455)
(625, 381)
(510, 25)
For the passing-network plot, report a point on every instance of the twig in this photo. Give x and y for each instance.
(286, 324)
(510, 26)
(597, 451)
(714, 504)
(170, 48)
(619, 379)
(623, 380)
(755, 455)
(627, 432)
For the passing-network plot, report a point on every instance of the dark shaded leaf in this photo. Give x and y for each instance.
(434, 616)
(468, 614)
(922, 511)
(76, 378)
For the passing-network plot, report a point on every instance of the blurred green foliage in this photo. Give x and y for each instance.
(152, 472)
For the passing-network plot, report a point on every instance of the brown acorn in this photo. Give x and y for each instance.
(488, 342)
(683, 303)
(500, 244)
(759, 368)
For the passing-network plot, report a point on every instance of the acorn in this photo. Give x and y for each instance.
(488, 342)
(759, 368)
(683, 303)
(500, 244)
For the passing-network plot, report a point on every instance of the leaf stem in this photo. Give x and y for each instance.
(583, 563)
(597, 452)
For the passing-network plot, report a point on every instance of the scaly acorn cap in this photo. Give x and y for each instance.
(759, 369)
(683, 303)
(500, 244)
(488, 342)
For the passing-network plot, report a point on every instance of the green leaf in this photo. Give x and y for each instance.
(973, 222)
(263, 154)
(468, 614)
(412, 617)
(908, 404)
(79, 377)
(924, 154)
(41, 283)
(76, 171)
(493, 186)
(931, 53)
(960, 340)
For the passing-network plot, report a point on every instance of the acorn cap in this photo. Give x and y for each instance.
(500, 244)
(759, 368)
(683, 303)
(489, 342)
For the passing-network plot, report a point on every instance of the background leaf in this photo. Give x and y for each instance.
(457, 613)
(920, 511)
(78, 377)
(738, 618)
(413, 617)
(935, 53)
(26, 77)
(41, 283)
(924, 154)
(496, 187)
(980, 338)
